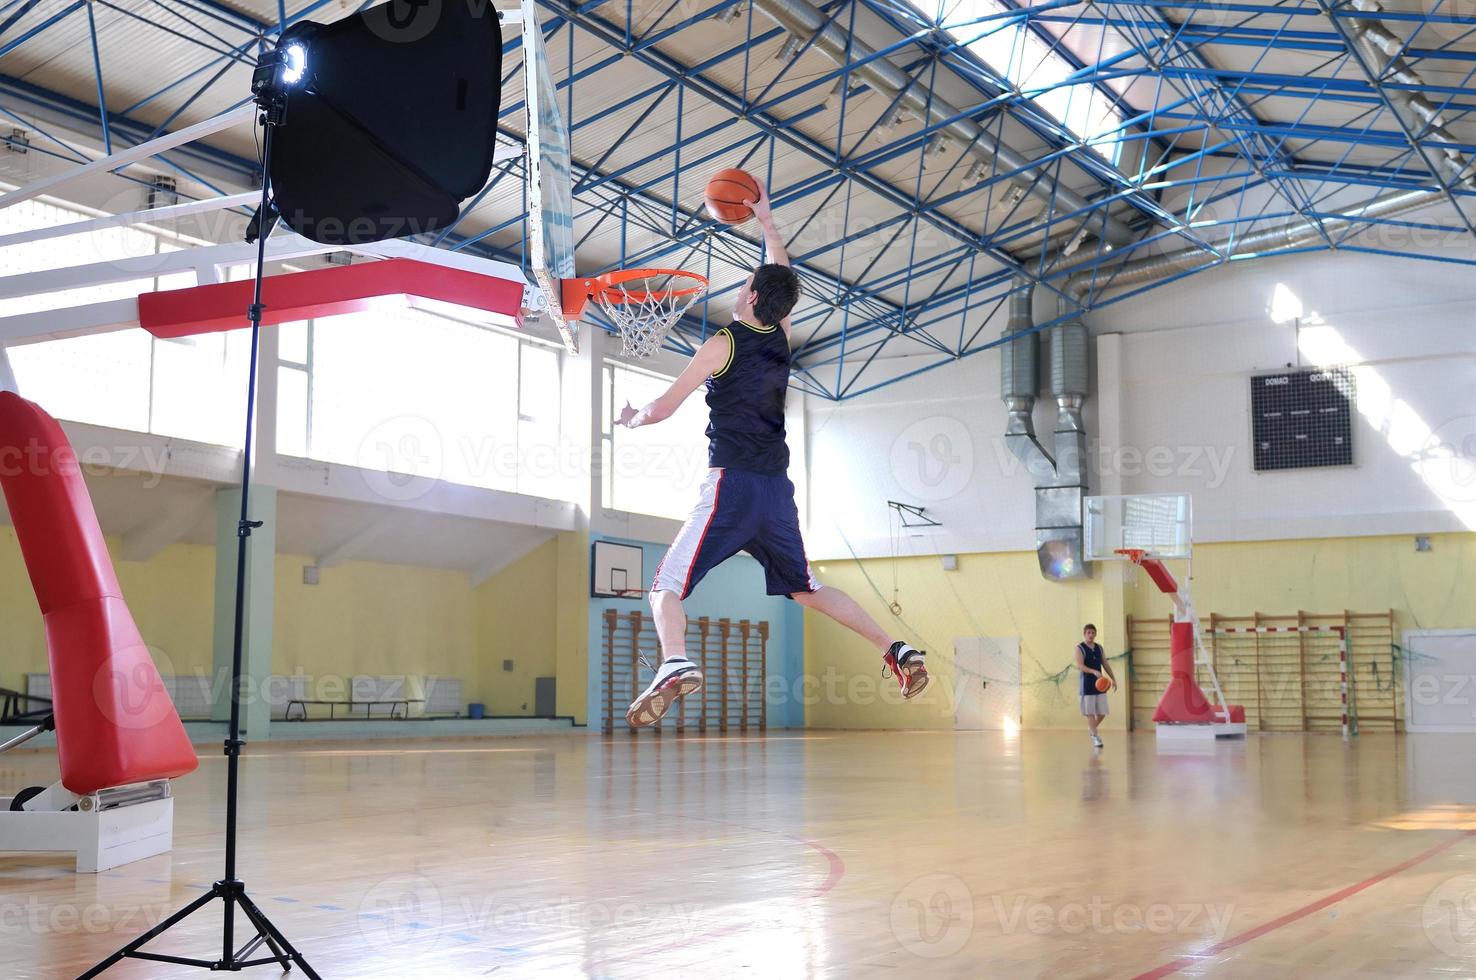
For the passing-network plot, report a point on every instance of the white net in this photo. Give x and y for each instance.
(647, 306)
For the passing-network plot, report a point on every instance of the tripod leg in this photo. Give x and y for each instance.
(258, 919)
(273, 933)
(158, 930)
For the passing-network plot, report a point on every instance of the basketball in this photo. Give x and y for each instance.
(1103, 684)
(726, 192)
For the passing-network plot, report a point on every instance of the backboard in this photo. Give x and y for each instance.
(617, 571)
(550, 178)
(1158, 523)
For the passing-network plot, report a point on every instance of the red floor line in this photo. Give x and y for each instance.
(1255, 933)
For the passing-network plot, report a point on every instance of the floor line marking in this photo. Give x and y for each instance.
(1332, 899)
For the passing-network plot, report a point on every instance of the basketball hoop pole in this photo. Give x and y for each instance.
(1166, 583)
(230, 889)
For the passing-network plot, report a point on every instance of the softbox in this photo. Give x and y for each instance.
(392, 123)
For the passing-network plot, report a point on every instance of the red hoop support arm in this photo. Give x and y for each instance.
(1155, 568)
(294, 296)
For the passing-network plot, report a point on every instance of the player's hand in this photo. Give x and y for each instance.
(627, 414)
(760, 208)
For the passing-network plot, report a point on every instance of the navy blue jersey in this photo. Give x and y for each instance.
(745, 399)
(1091, 656)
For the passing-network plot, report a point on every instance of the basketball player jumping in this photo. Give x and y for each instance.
(747, 501)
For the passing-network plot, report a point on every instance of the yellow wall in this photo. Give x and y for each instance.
(171, 599)
(25, 645)
(999, 594)
(373, 618)
(362, 618)
(516, 611)
(1429, 590)
(1002, 594)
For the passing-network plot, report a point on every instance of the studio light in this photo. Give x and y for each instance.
(294, 64)
(393, 120)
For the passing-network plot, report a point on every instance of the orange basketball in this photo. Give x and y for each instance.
(726, 192)
(1103, 684)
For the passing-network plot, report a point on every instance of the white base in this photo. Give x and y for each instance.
(1207, 732)
(101, 839)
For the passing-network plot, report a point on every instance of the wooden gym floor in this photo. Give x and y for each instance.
(814, 854)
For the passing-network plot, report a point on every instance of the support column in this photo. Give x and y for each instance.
(576, 619)
(1112, 576)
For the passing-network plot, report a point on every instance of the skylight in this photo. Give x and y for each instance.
(1031, 64)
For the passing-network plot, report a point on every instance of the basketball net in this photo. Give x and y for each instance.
(644, 304)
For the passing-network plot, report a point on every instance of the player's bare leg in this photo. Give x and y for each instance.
(897, 657)
(676, 676)
(671, 623)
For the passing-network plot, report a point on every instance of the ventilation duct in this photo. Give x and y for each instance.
(1019, 383)
(1060, 476)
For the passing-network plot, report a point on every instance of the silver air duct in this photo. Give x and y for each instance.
(1058, 528)
(801, 19)
(1296, 234)
(1019, 382)
(1060, 479)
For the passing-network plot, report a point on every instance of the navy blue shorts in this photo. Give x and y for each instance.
(739, 511)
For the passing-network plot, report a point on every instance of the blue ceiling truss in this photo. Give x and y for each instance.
(1235, 117)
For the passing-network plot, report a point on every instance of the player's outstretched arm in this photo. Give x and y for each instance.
(710, 357)
(773, 241)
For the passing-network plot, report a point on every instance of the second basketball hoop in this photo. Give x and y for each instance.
(644, 304)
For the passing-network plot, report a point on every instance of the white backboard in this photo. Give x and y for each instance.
(550, 177)
(1158, 523)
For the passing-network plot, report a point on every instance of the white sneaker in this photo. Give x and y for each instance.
(906, 663)
(674, 680)
(1096, 742)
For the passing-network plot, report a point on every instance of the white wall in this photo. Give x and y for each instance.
(934, 441)
(1180, 375)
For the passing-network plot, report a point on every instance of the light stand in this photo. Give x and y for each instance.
(271, 96)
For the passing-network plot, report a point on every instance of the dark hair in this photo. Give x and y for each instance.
(775, 291)
(1089, 626)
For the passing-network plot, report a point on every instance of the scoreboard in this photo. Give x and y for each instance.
(1303, 418)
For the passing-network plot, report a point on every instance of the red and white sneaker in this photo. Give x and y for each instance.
(674, 680)
(906, 663)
